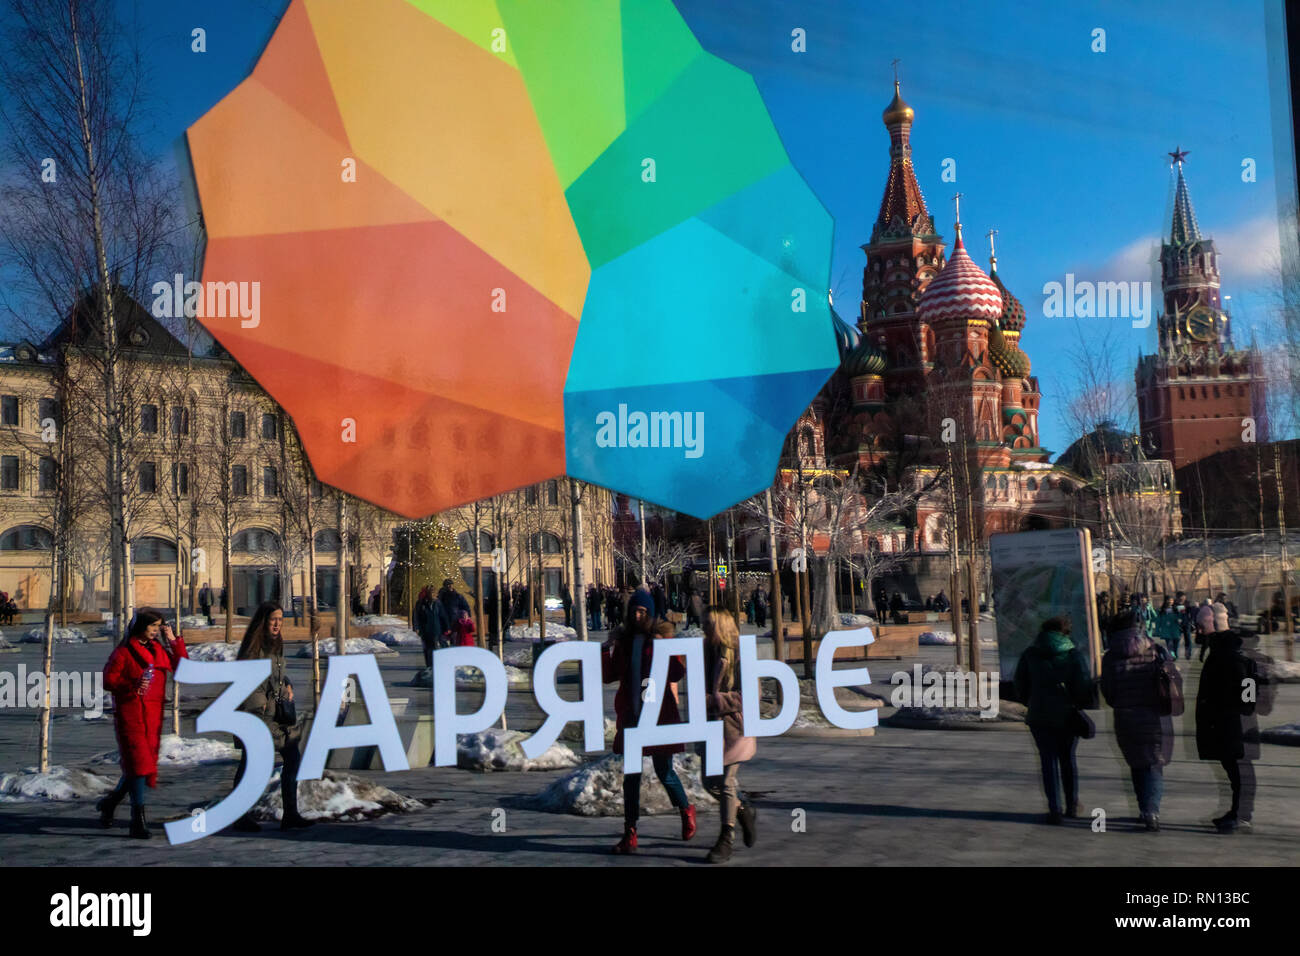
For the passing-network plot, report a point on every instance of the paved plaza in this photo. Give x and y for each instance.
(901, 797)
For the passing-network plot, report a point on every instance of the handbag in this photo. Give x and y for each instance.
(1079, 724)
(1169, 686)
(286, 713)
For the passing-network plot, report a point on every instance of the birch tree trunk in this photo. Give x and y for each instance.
(579, 547)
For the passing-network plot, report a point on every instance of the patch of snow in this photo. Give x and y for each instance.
(472, 678)
(61, 783)
(1280, 672)
(1283, 733)
(500, 750)
(531, 632)
(944, 638)
(355, 645)
(516, 654)
(596, 789)
(398, 637)
(178, 752)
(3, 643)
(336, 796)
(381, 620)
(62, 635)
(693, 631)
(194, 621)
(856, 620)
(213, 651)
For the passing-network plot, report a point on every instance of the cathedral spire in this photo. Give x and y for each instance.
(1184, 229)
(902, 208)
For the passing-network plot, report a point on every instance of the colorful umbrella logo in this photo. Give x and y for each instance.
(496, 242)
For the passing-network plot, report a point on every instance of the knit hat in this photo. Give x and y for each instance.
(642, 598)
(1220, 617)
(1205, 619)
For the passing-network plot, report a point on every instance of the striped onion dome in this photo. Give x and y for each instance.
(865, 359)
(1006, 355)
(960, 290)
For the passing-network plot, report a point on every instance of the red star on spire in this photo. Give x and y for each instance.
(1179, 154)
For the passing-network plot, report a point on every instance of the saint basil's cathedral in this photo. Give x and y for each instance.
(935, 355)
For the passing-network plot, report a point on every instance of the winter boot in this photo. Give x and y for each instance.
(721, 851)
(1226, 823)
(688, 822)
(292, 819)
(628, 843)
(747, 815)
(1151, 822)
(139, 825)
(108, 806)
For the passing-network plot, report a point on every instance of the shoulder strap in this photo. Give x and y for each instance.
(139, 658)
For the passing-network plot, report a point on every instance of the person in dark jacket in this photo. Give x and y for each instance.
(1130, 672)
(566, 601)
(264, 639)
(1052, 680)
(1224, 698)
(432, 624)
(205, 602)
(760, 608)
(626, 657)
(453, 602)
(136, 676)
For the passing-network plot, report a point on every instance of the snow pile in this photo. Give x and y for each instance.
(944, 638)
(401, 636)
(693, 631)
(472, 678)
(355, 645)
(381, 620)
(4, 645)
(531, 632)
(178, 752)
(1279, 672)
(62, 635)
(516, 655)
(194, 620)
(596, 789)
(336, 796)
(573, 733)
(1286, 734)
(856, 620)
(61, 783)
(213, 651)
(501, 750)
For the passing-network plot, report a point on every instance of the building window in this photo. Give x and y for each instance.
(269, 430)
(180, 420)
(546, 543)
(47, 475)
(1216, 391)
(328, 542)
(8, 409)
(552, 492)
(465, 541)
(180, 479)
(270, 483)
(26, 537)
(8, 472)
(530, 495)
(149, 419)
(1032, 484)
(1181, 395)
(255, 541)
(148, 477)
(239, 481)
(48, 408)
(153, 551)
(238, 426)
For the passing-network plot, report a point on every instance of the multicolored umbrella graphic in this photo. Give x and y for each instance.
(497, 242)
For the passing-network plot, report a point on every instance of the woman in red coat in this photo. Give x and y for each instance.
(136, 677)
(626, 657)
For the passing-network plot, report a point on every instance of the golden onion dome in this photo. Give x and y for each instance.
(897, 111)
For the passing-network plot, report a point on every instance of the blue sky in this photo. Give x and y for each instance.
(1061, 149)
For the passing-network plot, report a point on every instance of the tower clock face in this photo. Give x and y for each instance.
(1201, 324)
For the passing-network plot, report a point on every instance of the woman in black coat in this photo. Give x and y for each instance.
(1223, 700)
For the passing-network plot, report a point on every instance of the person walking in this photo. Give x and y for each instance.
(722, 673)
(566, 601)
(1204, 626)
(1131, 672)
(205, 602)
(626, 657)
(694, 609)
(1169, 626)
(1146, 616)
(464, 631)
(431, 623)
(1222, 702)
(273, 703)
(760, 608)
(1052, 679)
(136, 676)
(453, 602)
(1187, 618)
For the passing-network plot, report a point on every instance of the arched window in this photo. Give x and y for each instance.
(1002, 484)
(255, 541)
(465, 541)
(990, 482)
(328, 541)
(153, 551)
(1032, 484)
(546, 543)
(26, 537)
(552, 492)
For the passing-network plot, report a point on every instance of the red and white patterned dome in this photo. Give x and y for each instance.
(960, 290)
